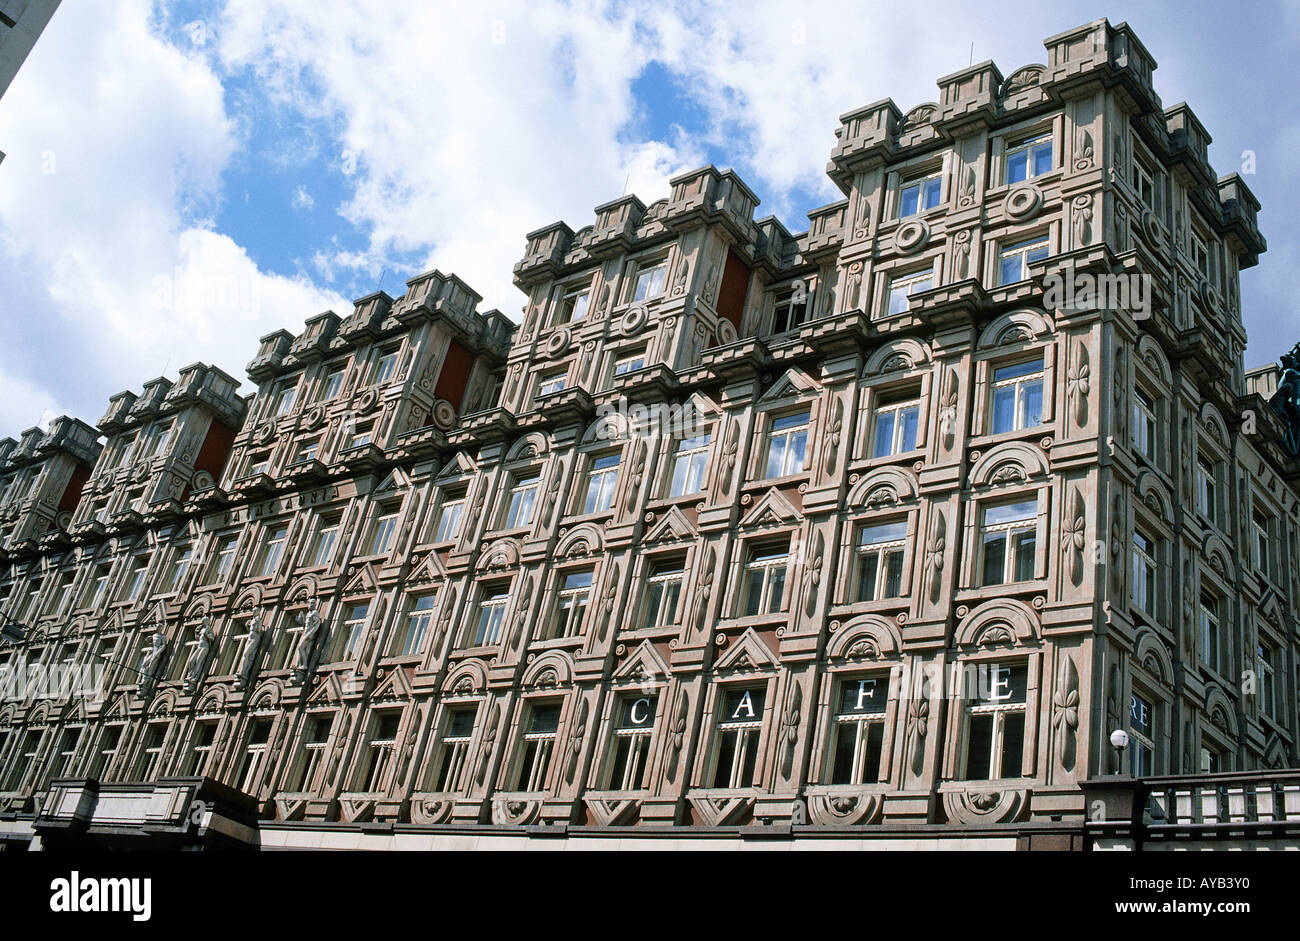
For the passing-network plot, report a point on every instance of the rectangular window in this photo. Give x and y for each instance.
(380, 751)
(1017, 396)
(1211, 641)
(362, 435)
(537, 746)
(571, 604)
(601, 481)
(419, 621)
(354, 625)
(1144, 424)
(858, 731)
(896, 425)
(491, 615)
(787, 443)
(18, 770)
(1144, 573)
(99, 586)
(649, 280)
(903, 286)
(1028, 158)
(1260, 528)
(995, 721)
(522, 497)
(385, 528)
(764, 587)
(740, 724)
(690, 458)
(790, 309)
(224, 558)
(629, 364)
(1200, 255)
(449, 516)
(663, 588)
(68, 743)
(273, 549)
(333, 383)
(180, 565)
(327, 533)
(196, 762)
(151, 754)
(551, 382)
(103, 760)
(63, 600)
(453, 756)
(1266, 660)
(880, 561)
(573, 306)
(1205, 490)
(385, 366)
(284, 397)
(1142, 746)
(259, 463)
(1008, 536)
(308, 451)
(315, 744)
(1014, 260)
(1145, 185)
(918, 195)
(630, 749)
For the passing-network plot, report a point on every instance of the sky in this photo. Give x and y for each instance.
(184, 178)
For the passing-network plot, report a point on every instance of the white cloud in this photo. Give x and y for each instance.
(114, 166)
(302, 199)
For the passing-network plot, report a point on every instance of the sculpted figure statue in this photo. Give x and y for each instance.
(253, 648)
(1286, 400)
(206, 641)
(311, 625)
(151, 663)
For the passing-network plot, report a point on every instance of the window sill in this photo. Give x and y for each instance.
(559, 643)
(777, 619)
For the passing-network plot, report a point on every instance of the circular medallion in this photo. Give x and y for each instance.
(911, 236)
(1023, 202)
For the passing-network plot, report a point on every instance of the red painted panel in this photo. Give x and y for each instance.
(735, 285)
(455, 374)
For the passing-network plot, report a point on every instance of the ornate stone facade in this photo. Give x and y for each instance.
(860, 526)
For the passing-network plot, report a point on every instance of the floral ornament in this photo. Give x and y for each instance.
(918, 717)
(1072, 539)
(1065, 718)
(1077, 384)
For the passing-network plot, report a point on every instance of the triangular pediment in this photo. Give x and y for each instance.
(794, 383)
(327, 692)
(363, 582)
(673, 526)
(427, 571)
(394, 686)
(772, 509)
(643, 662)
(396, 482)
(747, 653)
(460, 465)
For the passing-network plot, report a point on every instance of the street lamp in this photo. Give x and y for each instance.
(1119, 738)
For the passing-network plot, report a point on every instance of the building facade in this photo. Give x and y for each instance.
(880, 528)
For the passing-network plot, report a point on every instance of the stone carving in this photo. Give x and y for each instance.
(677, 735)
(1083, 219)
(1286, 400)
(490, 731)
(813, 574)
(198, 665)
(1065, 714)
(152, 663)
(934, 551)
(252, 649)
(729, 456)
(918, 724)
(948, 410)
(307, 640)
(854, 285)
(683, 275)
(789, 735)
(607, 602)
(577, 732)
(961, 254)
(834, 429)
(1073, 537)
(1083, 148)
(711, 285)
(706, 589)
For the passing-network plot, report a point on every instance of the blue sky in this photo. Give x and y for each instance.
(183, 178)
